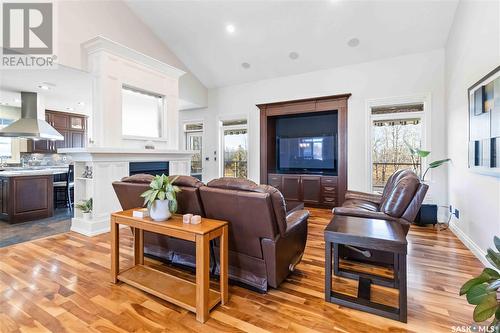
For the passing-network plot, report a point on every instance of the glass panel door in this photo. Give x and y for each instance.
(194, 141)
(235, 147)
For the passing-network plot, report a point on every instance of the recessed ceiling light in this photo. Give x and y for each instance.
(293, 55)
(43, 87)
(353, 42)
(81, 103)
(70, 109)
(230, 28)
(245, 65)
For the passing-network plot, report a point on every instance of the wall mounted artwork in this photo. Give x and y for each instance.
(484, 124)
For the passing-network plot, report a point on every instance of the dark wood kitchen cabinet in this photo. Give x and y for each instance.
(73, 127)
(26, 198)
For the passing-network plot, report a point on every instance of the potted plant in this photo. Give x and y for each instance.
(161, 197)
(482, 291)
(416, 156)
(86, 207)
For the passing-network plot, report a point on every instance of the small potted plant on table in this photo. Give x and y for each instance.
(86, 207)
(161, 198)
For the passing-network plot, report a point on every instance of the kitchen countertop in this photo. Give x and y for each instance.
(33, 171)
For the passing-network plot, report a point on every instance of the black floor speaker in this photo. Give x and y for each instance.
(427, 215)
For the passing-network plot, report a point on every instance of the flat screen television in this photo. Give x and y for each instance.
(307, 144)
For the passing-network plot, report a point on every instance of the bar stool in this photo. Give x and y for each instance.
(66, 187)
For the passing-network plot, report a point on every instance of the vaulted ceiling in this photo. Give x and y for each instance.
(266, 32)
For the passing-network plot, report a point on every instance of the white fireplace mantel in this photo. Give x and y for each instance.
(109, 164)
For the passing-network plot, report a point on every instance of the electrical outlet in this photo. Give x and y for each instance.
(451, 209)
(457, 213)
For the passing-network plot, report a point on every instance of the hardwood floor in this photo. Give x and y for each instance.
(61, 284)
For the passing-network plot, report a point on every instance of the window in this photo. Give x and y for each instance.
(194, 141)
(392, 128)
(235, 148)
(141, 113)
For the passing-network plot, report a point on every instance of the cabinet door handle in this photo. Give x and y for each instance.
(327, 188)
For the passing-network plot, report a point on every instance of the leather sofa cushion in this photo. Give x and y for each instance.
(140, 178)
(401, 195)
(235, 184)
(361, 204)
(143, 178)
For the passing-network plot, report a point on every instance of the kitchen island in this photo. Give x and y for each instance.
(27, 194)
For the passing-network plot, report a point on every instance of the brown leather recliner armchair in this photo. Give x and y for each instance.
(400, 201)
(175, 250)
(265, 243)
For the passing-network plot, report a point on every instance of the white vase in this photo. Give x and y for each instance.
(87, 216)
(159, 210)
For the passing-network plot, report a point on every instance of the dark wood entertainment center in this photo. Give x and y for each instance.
(316, 190)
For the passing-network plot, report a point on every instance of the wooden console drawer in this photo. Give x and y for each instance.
(328, 188)
(275, 180)
(330, 201)
(328, 181)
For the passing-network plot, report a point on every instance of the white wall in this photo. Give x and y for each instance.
(79, 21)
(417, 74)
(472, 51)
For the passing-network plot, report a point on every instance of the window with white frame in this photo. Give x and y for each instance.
(235, 148)
(393, 129)
(194, 142)
(141, 113)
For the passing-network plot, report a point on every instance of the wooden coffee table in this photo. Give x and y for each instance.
(196, 297)
(372, 234)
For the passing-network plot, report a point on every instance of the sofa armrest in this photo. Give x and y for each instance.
(362, 213)
(371, 197)
(295, 219)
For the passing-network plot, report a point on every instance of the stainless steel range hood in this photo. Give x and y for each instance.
(30, 126)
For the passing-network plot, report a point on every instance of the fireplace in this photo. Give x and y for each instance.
(150, 168)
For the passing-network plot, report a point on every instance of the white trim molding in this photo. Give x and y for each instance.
(101, 43)
(469, 243)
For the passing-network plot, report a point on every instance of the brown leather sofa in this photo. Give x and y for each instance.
(400, 201)
(265, 243)
(175, 250)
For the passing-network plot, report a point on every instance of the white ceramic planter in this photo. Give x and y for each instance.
(87, 216)
(159, 210)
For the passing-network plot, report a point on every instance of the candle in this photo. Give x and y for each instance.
(186, 218)
(196, 219)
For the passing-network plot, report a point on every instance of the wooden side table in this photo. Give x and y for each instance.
(369, 234)
(196, 297)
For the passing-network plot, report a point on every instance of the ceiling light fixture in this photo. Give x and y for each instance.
(293, 55)
(230, 28)
(80, 103)
(70, 109)
(43, 87)
(245, 65)
(353, 42)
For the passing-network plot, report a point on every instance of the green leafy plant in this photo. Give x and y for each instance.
(417, 154)
(481, 291)
(162, 188)
(85, 206)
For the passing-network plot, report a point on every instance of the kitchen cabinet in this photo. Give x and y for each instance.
(26, 198)
(73, 127)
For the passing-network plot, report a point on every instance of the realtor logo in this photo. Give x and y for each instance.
(27, 28)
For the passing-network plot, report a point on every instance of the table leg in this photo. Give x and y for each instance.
(202, 277)
(115, 251)
(336, 259)
(139, 246)
(224, 292)
(328, 270)
(403, 302)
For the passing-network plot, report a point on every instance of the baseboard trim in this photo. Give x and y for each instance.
(469, 243)
(90, 228)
